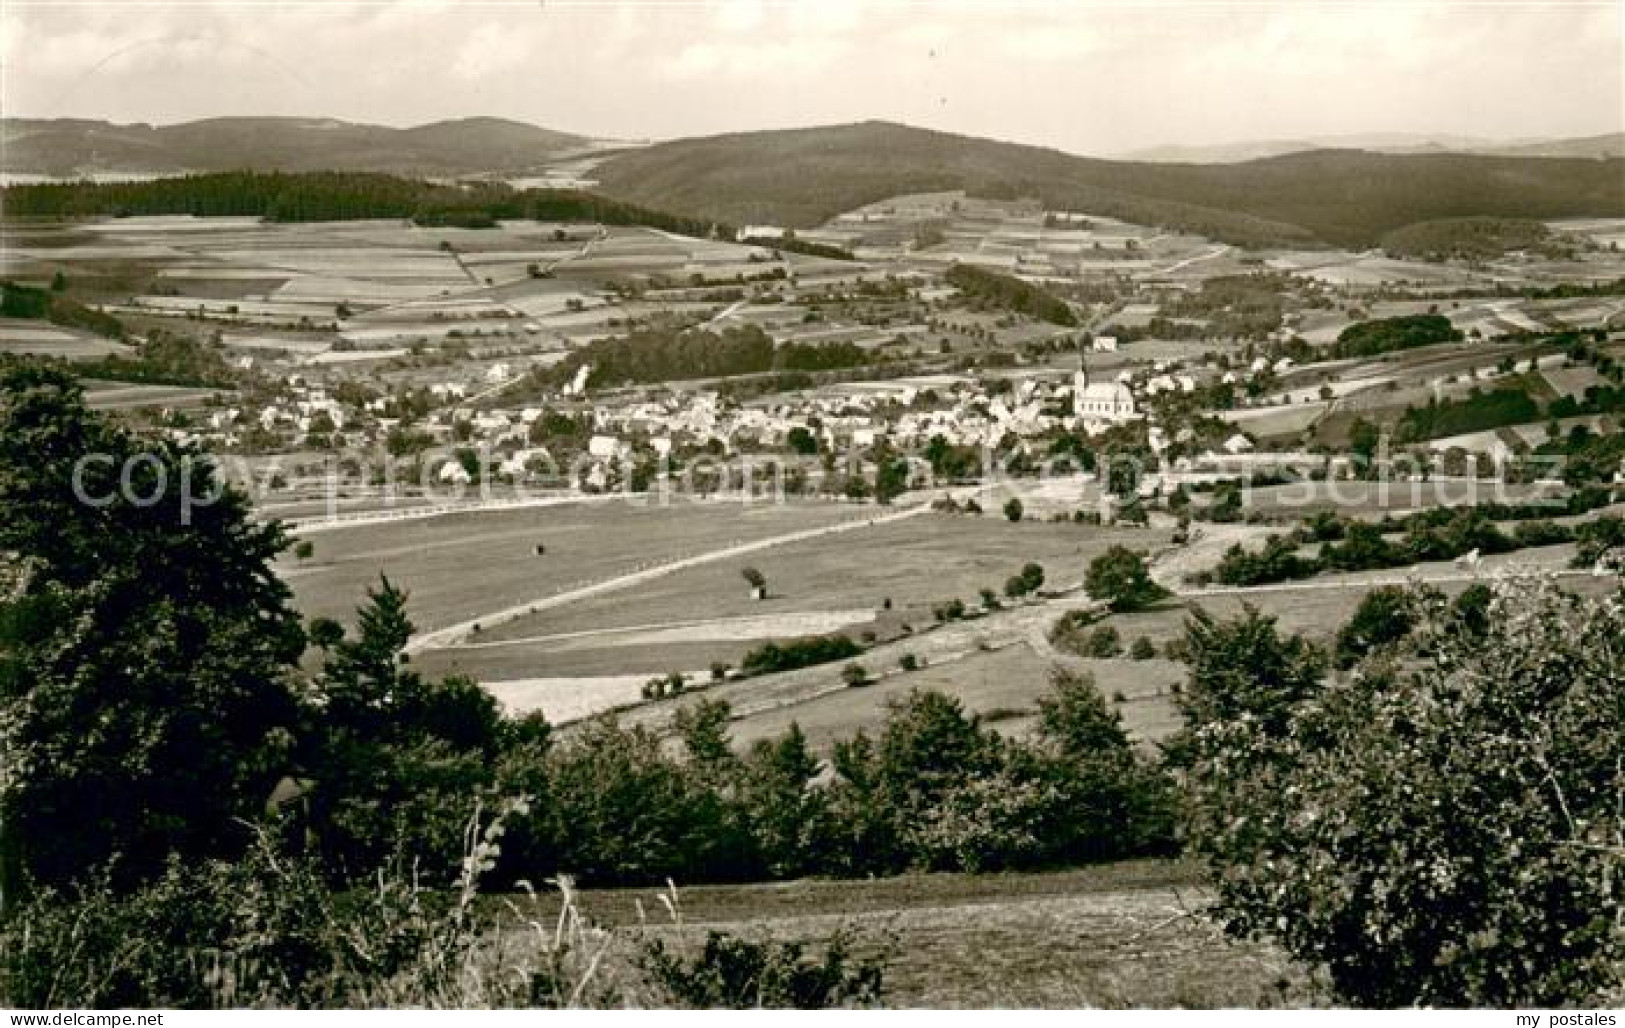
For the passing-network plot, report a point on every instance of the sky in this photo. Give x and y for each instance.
(1082, 76)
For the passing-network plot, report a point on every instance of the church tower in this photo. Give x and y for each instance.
(1080, 383)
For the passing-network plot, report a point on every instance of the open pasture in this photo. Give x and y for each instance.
(459, 566)
(916, 563)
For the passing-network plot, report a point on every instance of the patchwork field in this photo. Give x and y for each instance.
(44, 339)
(1003, 686)
(124, 395)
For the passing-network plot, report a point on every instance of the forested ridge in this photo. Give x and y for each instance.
(333, 196)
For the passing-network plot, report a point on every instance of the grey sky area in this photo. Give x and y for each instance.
(1091, 78)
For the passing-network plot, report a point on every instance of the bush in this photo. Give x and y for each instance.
(1440, 832)
(1119, 577)
(267, 932)
(1384, 617)
(797, 653)
(1599, 541)
(854, 675)
(741, 974)
(1103, 643)
(1029, 580)
(1143, 649)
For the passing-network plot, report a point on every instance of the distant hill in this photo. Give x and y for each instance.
(1609, 145)
(68, 147)
(801, 177)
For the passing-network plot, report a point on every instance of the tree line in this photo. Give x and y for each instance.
(1010, 293)
(334, 196)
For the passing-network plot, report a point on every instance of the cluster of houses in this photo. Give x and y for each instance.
(962, 410)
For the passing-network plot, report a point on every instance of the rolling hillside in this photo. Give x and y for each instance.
(801, 177)
(1608, 145)
(470, 145)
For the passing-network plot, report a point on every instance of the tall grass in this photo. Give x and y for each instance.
(267, 931)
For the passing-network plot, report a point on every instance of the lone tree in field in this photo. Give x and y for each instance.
(1013, 509)
(304, 549)
(146, 647)
(1120, 578)
(1029, 580)
(757, 582)
(1440, 829)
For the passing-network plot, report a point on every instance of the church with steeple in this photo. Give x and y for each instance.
(1110, 403)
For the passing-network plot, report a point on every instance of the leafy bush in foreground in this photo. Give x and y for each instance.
(1444, 830)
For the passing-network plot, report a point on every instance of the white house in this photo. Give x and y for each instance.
(1105, 344)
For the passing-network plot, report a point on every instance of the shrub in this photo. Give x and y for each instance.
(854, 675)
(737, 974)
(1599, 541)
(1119, 577)
(1029, 580)
(1440, 832)
(796, 653)
(266, 931)
(1384, 617)
(1143, 649)
(1103, 642)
